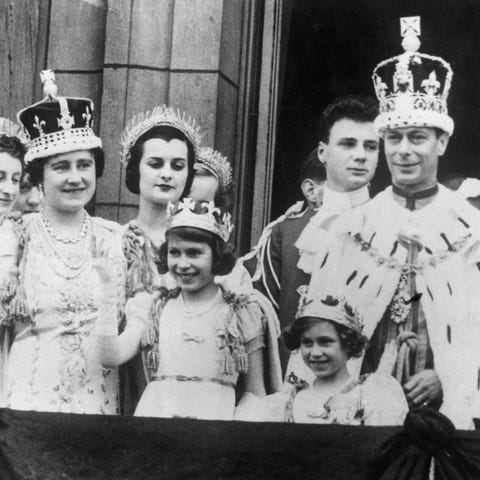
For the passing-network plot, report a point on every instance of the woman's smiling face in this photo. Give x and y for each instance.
(69, 180)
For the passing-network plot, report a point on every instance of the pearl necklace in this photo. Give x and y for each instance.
(64, 239)
(72, 269)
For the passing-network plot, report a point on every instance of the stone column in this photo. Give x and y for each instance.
(185, 53)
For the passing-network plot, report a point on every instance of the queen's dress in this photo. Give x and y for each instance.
(51, 299)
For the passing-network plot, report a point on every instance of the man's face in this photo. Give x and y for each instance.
(412, 155)
(350, 155)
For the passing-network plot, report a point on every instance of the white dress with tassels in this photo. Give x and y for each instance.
(196, 376)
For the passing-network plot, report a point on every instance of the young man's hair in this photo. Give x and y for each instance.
(313, 168)
(353, 342)
(351, 107)
(223, 253)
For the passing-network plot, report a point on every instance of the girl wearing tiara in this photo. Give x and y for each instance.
(159, 149)
(208, 337)
(328, 332)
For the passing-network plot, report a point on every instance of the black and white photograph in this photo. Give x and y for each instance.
(239, 239)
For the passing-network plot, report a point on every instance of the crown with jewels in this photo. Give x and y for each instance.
(58, 124)
(203, 215)
(12, 129)
(335, 309)
(159, 116)
(218, 165)
(412, 88)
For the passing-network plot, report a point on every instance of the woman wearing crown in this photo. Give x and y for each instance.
(207, 337)
(49, 291)
(12, 152)
(328, 332)
(159, 149)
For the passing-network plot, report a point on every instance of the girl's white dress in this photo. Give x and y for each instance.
(374, 399)
(200, 355)
(53, 364)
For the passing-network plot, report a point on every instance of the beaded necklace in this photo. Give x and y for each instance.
(64, 239)
(73, 264)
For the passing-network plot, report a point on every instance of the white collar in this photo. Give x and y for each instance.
(340, 201)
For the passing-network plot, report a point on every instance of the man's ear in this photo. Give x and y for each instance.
(442, 143)
(310, 191)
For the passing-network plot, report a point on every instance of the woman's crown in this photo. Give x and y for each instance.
(159, 116)
(12, 129)
(218, 165)
(203, 215)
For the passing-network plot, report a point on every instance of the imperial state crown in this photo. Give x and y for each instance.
(412, 88)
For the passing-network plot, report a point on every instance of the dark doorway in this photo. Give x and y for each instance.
(332, 49)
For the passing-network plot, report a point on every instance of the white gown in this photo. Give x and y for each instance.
(53, 364)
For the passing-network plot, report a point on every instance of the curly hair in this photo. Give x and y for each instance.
(164, 132)
(14, 147)
(36, 167)
(223, 253)
(353, 342)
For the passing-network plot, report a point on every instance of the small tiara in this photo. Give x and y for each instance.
(218, 165)
(12, 129)
(333, 308)
(159, 116)
(203, 215)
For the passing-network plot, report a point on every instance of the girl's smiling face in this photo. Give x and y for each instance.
(163, 170)
(190, 263)
(322, 350)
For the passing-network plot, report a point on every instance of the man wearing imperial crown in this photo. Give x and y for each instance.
(409, 259)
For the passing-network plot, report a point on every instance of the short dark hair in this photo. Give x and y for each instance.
(352, 107)
(14, 147)
(164, 132)
(313, 168)
(353, 341)
(35, 168)
(223, 253)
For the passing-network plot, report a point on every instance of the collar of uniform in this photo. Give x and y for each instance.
(339, 201)
(414, 200)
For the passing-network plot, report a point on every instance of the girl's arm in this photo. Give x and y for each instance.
(249, 408)
(254, 377)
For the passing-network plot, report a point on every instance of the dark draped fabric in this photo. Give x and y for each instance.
(59, 446)
(407, 454)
